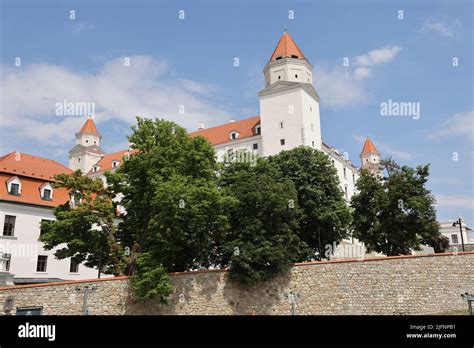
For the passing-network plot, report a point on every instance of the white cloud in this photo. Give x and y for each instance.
(438, 27)
(377, 56)
(344, 86)
(27, 106)
(386, 150)
(454, 201)
(460, 124)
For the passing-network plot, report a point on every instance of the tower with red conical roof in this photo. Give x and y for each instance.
(289, 104)
(87, 151)
(370, 158)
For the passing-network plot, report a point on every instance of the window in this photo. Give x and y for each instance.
(47, 194)
(345, 176)
(282, 141)
(234, 135)
(41, 263)
(310, 108)
(29, 311)
(278, 58)
(313, 143)
(8, 257)
(296, 76)
(345, 191)
(255, 146)
(73, 267)
(9, 225)
(294, 56)
(96, 169)
(78, 160)
(87, 140)
(14, 189)
(353, 177)
(454, 238)
(115, 164)
(258, 129)
(281, 125)
(279, 77)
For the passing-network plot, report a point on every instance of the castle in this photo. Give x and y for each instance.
(289, 117)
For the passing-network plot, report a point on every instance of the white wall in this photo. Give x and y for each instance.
(25, 247)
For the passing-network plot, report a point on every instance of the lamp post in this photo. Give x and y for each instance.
(85, 290)
(459, 222)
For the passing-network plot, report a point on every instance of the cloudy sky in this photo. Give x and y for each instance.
(363, 53)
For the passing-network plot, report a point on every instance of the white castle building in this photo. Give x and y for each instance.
(289, 117)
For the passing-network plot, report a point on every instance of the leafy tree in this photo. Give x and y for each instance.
(396, 215)
(85, 225)
(260, 243)
(175, 214)
(323, 214)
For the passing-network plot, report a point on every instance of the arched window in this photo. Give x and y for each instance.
(115, 164)
(46, 192)
(233, 135)
(14, 186)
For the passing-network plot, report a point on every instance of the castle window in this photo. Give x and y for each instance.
(15, 189)
(296, 76)
(87, 140)
(278, 58)
(46, 192)
(73, 267)
(279, 77)
(294, 56)
(258, 129)
(115, 164)
(9, 225)
(282, 141)
(234, 135)
(255, 146)
(41, 263)
(281, 125)
(96, 169)
(345, 176)
(14, 186)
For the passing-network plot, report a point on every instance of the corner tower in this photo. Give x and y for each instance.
(289, 104)
(87, 151)
(370, 158)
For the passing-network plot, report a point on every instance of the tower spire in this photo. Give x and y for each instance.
(287, 48)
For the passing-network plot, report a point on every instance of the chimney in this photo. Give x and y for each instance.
(201, 126)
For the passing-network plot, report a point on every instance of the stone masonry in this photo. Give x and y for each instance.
(419, 284)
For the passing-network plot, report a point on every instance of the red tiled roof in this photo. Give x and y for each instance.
(105, 162)
(33, 172)
(286, 48)
(89, 127)
(22, 164)
(369, 147)
(220, 134)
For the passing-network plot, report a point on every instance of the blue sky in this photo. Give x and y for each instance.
(190, 62)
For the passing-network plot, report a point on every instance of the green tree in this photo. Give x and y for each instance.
(260, 243)
(175, 214)
(323, 214)
(396, 215)
(85, 225)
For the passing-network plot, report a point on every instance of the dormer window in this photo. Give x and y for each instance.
(258, 129)
(96, 169)
(234, 135)
(14, 186)
(75, 200)
(46, 192)
(115, 164)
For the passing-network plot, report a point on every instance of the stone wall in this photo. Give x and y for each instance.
(420, 284)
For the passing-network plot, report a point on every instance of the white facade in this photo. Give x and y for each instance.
(454, 234)
(24, 246)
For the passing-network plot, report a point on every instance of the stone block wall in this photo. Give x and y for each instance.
(420, 284)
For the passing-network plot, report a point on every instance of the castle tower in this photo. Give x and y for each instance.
(370, 158)
(289, 104)
(87, 151)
